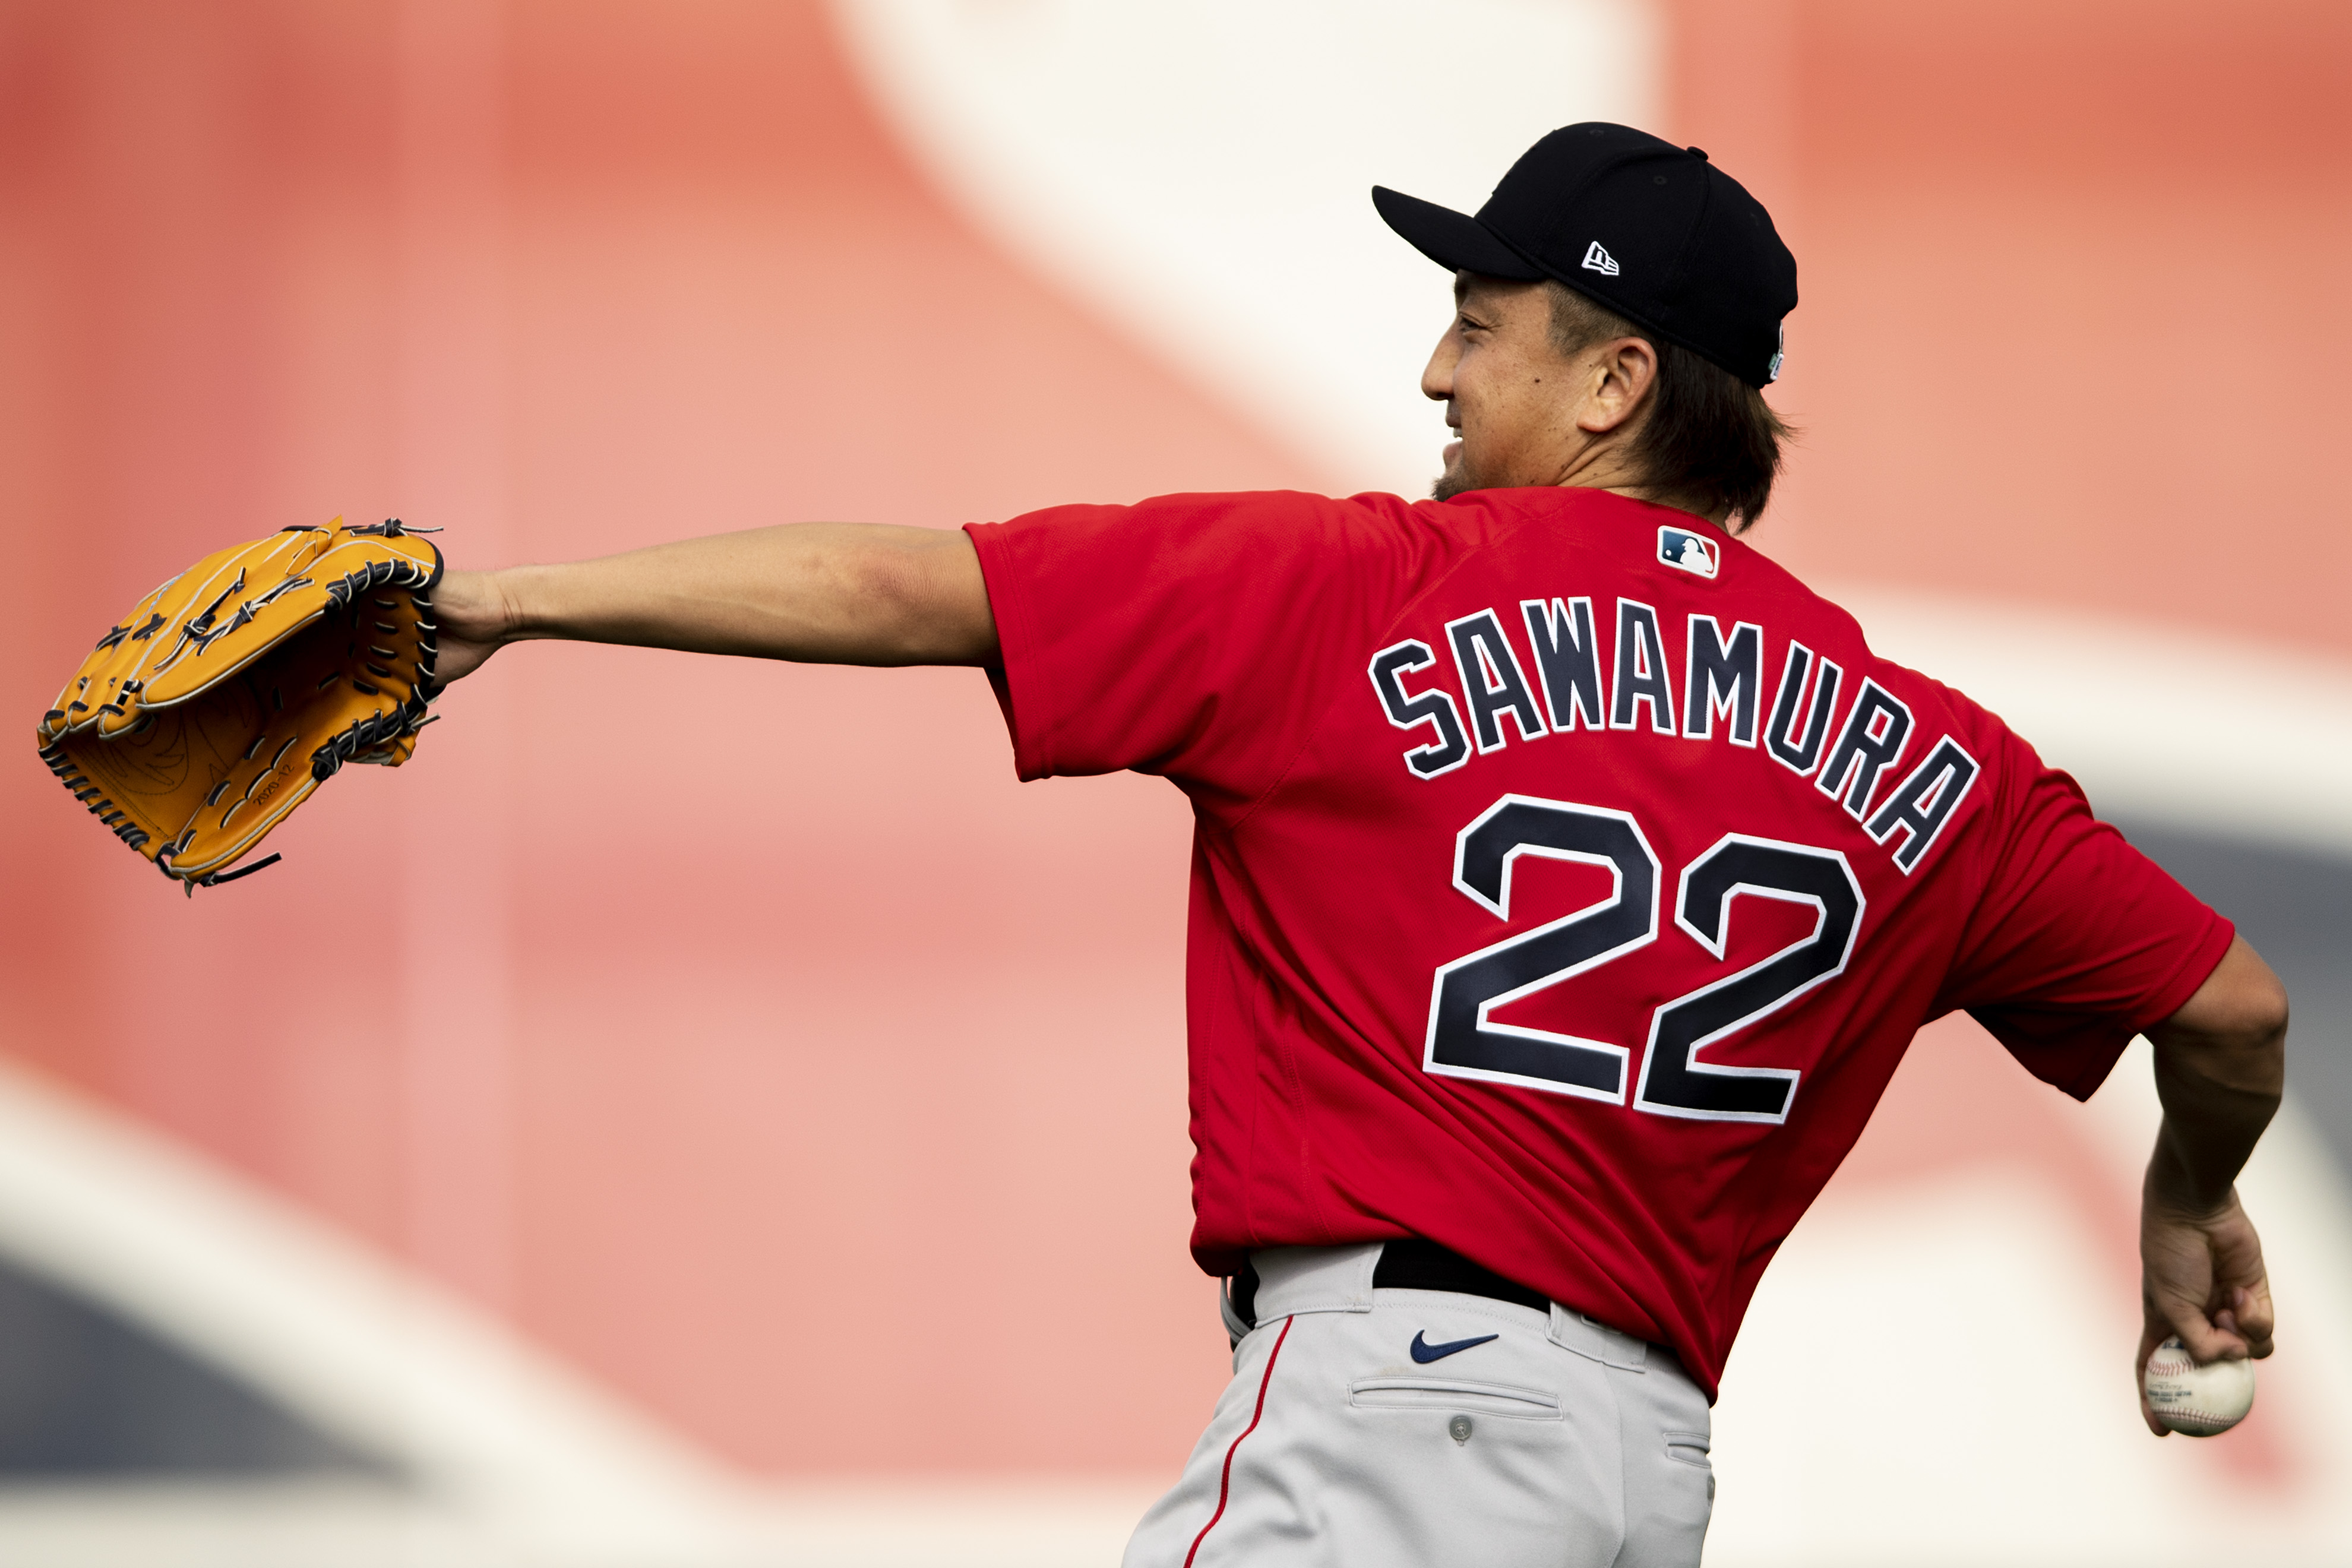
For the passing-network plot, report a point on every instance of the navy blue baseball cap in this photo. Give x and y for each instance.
(1650, 230)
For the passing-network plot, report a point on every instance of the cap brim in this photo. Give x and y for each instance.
(1455, 241)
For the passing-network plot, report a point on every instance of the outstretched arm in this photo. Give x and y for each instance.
(822, 593)
(2221, 1063)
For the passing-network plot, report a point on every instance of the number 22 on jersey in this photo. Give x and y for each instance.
(1463, 1042)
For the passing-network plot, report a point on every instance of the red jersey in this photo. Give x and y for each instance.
(1568, 879)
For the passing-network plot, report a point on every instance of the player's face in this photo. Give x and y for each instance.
(1510, 396)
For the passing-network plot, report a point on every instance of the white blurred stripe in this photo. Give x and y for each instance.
(315, 1525)
(912, 1524)
(514, 1458)
(1200, 172)
(2211, 734)
(509, 1445)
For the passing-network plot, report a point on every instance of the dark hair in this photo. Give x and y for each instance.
(1710, 444)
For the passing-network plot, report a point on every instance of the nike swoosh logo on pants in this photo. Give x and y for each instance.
(1426, 1352)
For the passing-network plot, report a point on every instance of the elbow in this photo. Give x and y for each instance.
(2271, 1023)
(2246, 1048)
(2232, 1033)
(2255, 1030)
(2266, 1037)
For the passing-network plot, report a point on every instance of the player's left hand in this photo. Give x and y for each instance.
(2201, 1277)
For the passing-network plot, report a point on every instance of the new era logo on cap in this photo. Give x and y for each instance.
(1691, 552)
(1596, 259)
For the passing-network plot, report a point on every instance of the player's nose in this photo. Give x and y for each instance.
(1438, 378)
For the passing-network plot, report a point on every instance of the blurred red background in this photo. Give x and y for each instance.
(744, 1033)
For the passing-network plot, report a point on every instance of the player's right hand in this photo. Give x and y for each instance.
(2201, 1277)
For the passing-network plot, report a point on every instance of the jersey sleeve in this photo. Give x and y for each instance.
(2078, 940)
(1196, 636)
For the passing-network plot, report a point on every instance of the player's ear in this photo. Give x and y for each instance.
(1622, 371)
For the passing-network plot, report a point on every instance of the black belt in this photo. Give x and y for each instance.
(1412, 1265)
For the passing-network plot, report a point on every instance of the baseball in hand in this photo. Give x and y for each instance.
(2198, 1400)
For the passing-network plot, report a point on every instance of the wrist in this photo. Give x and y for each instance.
(517, 605)
(2172, 1190)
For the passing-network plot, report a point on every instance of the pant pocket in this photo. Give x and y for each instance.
(1688, 1448)
(1471, 1398)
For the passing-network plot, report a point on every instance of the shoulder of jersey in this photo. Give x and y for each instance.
(1672, 546)
(1631, 534)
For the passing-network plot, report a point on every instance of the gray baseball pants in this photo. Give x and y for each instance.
(1344, 1442)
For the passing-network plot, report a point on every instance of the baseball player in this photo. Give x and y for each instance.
(1568, 880)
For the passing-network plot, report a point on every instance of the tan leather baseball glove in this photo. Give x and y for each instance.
(231, 692)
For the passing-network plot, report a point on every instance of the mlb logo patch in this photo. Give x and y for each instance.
(1694, 553)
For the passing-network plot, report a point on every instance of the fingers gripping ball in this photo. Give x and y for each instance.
(2198, 1400)
(231, 692)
